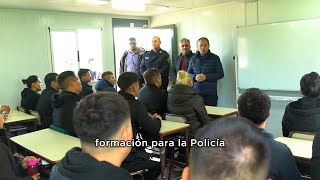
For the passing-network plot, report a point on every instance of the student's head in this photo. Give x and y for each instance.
(244, 156)
(132, 43)
(68, 81)
(156, 43)
(184, 78)
(152, 76)
(203, 45)
(185, 46)
(310, 85)
(254, 105)
(108, 76)
(51, 81)
(33, 83)
(98, 116)
(84, 75)
(128, 82)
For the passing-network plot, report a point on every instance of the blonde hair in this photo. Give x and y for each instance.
(184, 78)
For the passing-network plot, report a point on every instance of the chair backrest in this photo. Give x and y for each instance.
(36, 114)
(21, 109)
(175, 118)
(302, 135)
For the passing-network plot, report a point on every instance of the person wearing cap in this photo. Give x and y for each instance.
(144, 126)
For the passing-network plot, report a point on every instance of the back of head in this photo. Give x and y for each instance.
(64, 78)
(254, 105)
(105, 74)
(310, 85)
(183, 78)
(151, 75)
(127, 80)
(49, 78)
(82, 72)
(98, 116)
(245, 154)
(31, 79)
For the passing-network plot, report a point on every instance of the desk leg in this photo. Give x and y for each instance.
(187, 153)
(162, 159)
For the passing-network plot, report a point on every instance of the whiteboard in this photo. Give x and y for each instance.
(276, 56)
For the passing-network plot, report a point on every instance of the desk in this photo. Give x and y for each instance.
(167, 128)
(220, 111)
(16, 117)
(47, 144)
(301, 149)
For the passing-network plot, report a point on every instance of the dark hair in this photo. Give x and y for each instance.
(150, 75)
(244, 156)
(203, 39)
(107, 73)
(49, 78)
(310, 85)
(126, 80)
(64, 78)
(81, 72)
(132, 39)
(98, 116)
(31, 79)
(254, 105)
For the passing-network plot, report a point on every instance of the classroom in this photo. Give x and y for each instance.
(265, 44)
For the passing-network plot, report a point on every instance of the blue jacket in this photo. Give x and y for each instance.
(86, 89)
(175, 66)
(104, 85)
(211, 66)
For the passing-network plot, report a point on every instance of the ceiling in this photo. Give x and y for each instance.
(152, 7)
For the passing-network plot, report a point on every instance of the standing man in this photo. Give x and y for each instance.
(159, 59)
(206, 69)
(131, 59)
(182, 61)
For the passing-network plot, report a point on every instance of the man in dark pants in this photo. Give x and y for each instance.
(159, 59)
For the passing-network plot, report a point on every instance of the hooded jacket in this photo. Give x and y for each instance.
(183, 100)
(78, 165)
(64, 104)
(104, 85)
(302, 115)
(44, 106)
(29, 99)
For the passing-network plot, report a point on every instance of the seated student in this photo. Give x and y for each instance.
(8, 165)
(142, 123)
(107, 82)
(65, 102)
(29, 95)
(44, 106)
(304, 114)
(154, 99)
(85, 78)
(255, 105)
(98, 117)
(245, 155)
(315, 160)
(183, 100)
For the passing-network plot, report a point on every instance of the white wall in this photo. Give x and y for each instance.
(25, 45)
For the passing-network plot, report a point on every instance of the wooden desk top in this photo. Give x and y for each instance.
(169, 127)
(221, 111)
(16, 116)
(300, 148)
(47, 143)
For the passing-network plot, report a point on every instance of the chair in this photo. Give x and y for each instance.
(139, 173)
(18, 129)
(37, 115)
(302, 135)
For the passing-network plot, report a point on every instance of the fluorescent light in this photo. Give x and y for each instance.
(162, 7)
(131, 5)
(101, 2)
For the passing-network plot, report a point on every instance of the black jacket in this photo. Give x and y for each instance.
(78, 165)
(302, 115)
(64, 104)
(175, 66)
(140, 119)
(153, 98)
(159, 60)
(183, 100)
(29, 99)
(44, 106)
(8, 165)
(86, 89)
(123, 62)
(315, 160)
(282, 164)
(104, 85)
